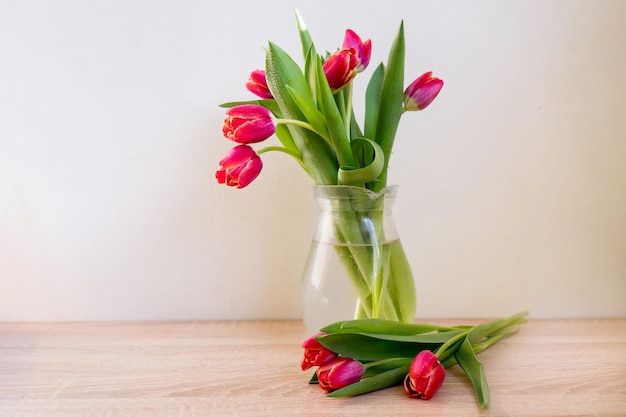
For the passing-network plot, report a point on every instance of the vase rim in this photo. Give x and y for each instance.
(351, 191)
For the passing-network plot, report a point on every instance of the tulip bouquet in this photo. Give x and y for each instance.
(360, 356)
(310, 111)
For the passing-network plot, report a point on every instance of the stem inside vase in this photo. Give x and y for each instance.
(357, 259)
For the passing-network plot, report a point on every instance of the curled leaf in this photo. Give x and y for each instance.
(368, 173)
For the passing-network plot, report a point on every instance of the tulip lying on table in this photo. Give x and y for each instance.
(425, 377)
(370, 354)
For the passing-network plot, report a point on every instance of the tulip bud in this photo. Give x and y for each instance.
(425, 376)
(239, 167)
(315, 354)
(421, 92)
(339, 372)
(340, 68)
(257, 84)
(249, 123)
(363, 49)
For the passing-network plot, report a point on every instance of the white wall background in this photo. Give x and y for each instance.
(513, 183)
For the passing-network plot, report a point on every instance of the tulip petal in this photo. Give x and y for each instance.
(340, 68)
(383, 380)
(421, 92)
(363, 49)
(339, 372)
(257, 84)
(239, 167)
(314, 353)
(248, 123)
(425, 377)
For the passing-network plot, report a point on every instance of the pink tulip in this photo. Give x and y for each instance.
(248, 123)
(363, 49)
(239, 167)
(339, 373)
(421, 92)
(340, 68)
(315, 354)
(257, 84)
(425, 376)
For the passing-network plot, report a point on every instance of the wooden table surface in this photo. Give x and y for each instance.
(251, 368)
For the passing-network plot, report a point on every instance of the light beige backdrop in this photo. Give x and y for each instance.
(512, 184)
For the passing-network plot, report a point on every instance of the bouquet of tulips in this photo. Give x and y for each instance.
(360, 356)
(310, 110)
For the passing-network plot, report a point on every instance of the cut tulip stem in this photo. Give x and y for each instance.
(348, 109)
(289, 152)
(441, 351)
(296, 122)
(305, 125)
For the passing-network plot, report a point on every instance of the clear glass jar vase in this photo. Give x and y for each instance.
(356, 267)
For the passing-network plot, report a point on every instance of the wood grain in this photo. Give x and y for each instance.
(251, 368)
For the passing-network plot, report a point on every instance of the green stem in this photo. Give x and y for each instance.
(491, 333)
(441, 351)
(289, 152)
(370, 261)
(479, 347)
(393, 361)
(348, 109)
(296, 122)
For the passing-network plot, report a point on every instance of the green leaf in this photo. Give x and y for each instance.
(310, 65)
(379, 326)
(336, 126)
(359, 176)
(372, 101)
(483, 330)
(311, 113)
(474, 369)
(430, 338)
(401, 289)
(390, 103)
(282, 71)
(271, 105)
(378, 367)
(374, 383)
(317, 156)
(372, 347)
(305, 36)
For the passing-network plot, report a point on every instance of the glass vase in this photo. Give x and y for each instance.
(356, 267)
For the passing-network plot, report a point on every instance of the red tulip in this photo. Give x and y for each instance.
(239, 167)
(315, 354)
(425, 376)
(340, 68)
(363, 49)
(257, 84)
(339, 373)
(249, 123)
(421, 92)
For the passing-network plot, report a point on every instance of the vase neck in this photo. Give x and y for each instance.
(344, 197)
